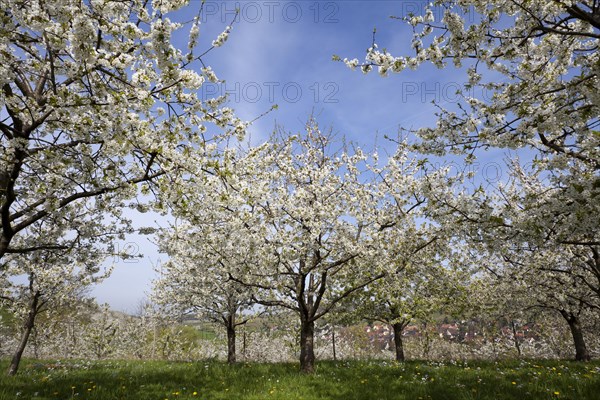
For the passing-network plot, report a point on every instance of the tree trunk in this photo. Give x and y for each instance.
(244, 346)
(398, 328)
(35, 343)
(230, 342)
(515, 337)
(581, 351)
(27, 328)
(426, 340)
(333, 342)
(154, 335)
(307, 349)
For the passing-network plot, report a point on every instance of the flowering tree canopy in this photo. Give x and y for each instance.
(196, 279)
(95, 100)
(536, 60)
(536, 235)
(300, 225)
(54, 280)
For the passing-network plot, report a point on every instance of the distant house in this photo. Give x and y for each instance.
(380, 336)
(449, 331)
(411, 331)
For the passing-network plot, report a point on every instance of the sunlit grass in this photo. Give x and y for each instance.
(157, 380)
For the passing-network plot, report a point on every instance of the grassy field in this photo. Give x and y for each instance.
(376, 380)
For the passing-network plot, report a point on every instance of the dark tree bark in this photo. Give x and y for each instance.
(231, 358)
(27, 328)
(581, 351)
(515, 337)
(244, 346)
(307, 349)
(333, 342)
(230, 321)
(399, 345)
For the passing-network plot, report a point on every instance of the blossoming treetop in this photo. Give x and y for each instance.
(95, 101)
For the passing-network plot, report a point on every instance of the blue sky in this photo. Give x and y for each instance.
(280, 52)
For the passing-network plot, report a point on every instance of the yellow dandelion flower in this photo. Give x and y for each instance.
(557, 393)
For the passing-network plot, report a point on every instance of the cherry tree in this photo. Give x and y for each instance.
(96, 102)
(321, 233)
(333, 223)
(288, 221)
(54, 280)
(551, 243)
(196, 279)
(303, 227)
(525, 280)
(537, 63)
(421, 288)
(494, 299)
(534, 236)
(536, 60)
(420, 276)
(559, 211)
(216, 235)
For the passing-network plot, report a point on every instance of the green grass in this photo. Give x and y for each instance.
(375, 380)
